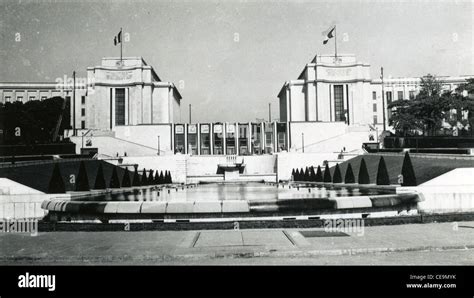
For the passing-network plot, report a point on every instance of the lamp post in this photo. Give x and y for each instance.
(74, 103)
(270, 112)
(158, 145)
(383, 100)
(189, 113)
(302, 142)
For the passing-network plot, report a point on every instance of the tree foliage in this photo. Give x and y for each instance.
(428, 112)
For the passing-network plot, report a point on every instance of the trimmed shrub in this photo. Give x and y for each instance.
(56, 183)
(337, 177)
(301, 175)
(114, 179)
(136, 178)
(327, 174)
(99, 178)
(168, 179)
(408, 173)
(319, 175)
(363, 174)
(349, 177)
(306, 174)
(126, 179)
(382, 173)
(144, 178)
(150, 177)
(312, 174)
(293, 174)
(161, 178)
(82, 181)
(156, 180)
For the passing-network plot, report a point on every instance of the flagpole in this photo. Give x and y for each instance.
(335, 42)
(121, 43)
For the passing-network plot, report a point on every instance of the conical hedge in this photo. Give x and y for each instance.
(136, 178)
(293, 174)
(114, 179)
(337, 177)
(150, 177)
(144, 178)
(306, 174)
(319, 175)
(168, 177)
(126, 178)
(82, 181)
(156, 179)
(161, 178)
(56, 183)
(349, 177)
(327, 174)
(312, 174)
(363, 174)
(99, 178)
(382, 173)
(408, 173)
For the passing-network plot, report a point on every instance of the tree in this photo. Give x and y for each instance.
(312, 174)
(327, 174)
(162, 178)
(144, 178)
(114, 179)
(156, 179)
(82, 181)
(293, 174)
(99, 179)
(306, 174)
(424, 113)
(56, 183)
(337, 178)
(382, 173)
(349, 177)
(363, 174)
(408, 173)
(126, 178)
(319, 175)
(150, 177)
(136, 178)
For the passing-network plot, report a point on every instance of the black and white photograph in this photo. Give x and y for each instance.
(237, 140)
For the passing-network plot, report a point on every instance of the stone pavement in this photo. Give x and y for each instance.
(434, 243)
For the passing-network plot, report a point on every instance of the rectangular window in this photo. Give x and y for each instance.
(218, 137)
(205, 139)
(179, 139)
(8, 98)
(388, 96)
(374, 95)
(32, 97)
(19, 98)
(400, 95)
(281, 132)
(83, 124)
(83, 99)
(83, 112)
(120, 106)
(243, 139)
(43, 97)
(412, 94)
(339, 103)
(375, 120)
(375, 107)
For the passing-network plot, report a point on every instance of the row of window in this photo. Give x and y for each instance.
(411, 95)
(8, 98)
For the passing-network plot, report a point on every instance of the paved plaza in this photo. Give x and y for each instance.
(421, 244)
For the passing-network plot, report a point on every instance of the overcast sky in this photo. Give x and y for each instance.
(225, 79)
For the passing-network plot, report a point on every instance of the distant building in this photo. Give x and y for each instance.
(124, 106)
(342, 90)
